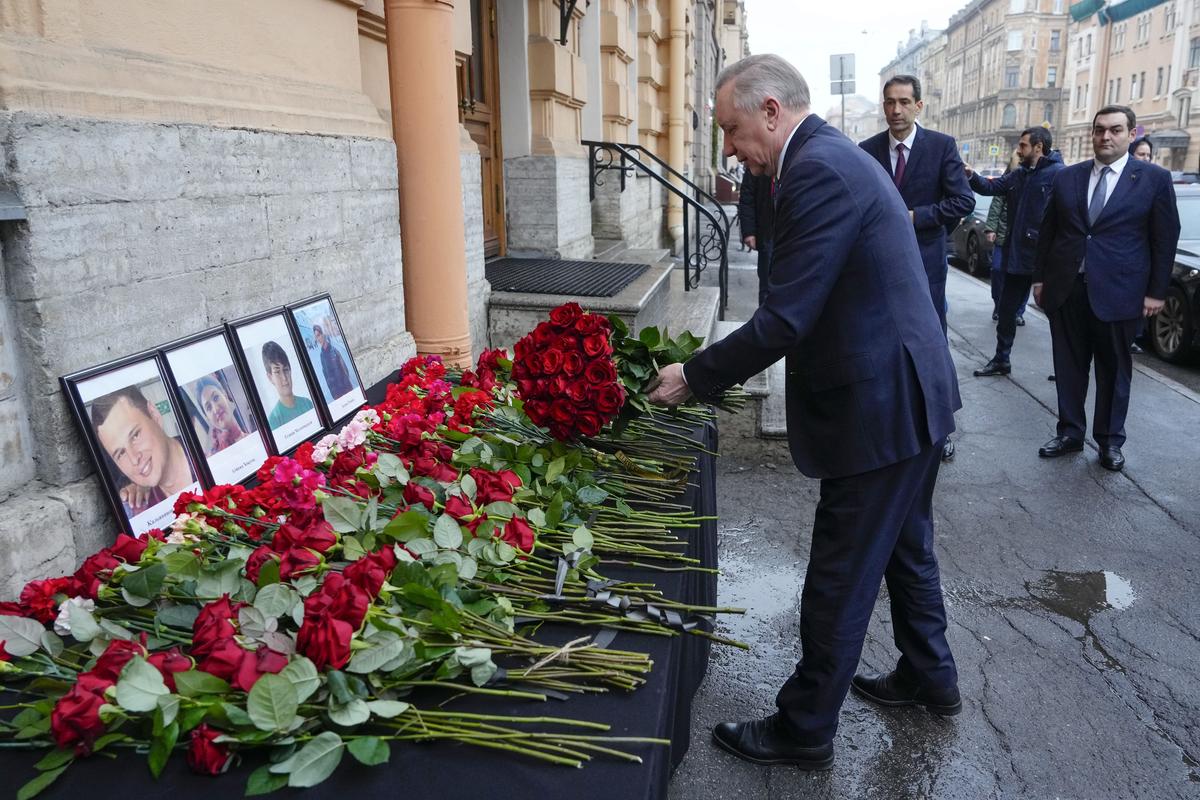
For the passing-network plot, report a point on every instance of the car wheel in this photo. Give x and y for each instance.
(1172, 328)
(972, 254)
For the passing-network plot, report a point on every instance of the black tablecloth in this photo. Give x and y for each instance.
(661, 708)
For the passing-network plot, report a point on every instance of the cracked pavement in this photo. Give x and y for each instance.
(1071, 592)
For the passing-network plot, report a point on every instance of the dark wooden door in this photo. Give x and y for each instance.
(479, 101)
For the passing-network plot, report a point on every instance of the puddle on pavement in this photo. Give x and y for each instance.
(1081, 595)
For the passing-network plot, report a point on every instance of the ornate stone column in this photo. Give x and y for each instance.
(420, 38)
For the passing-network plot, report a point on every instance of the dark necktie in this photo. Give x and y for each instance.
(899, 176)
(1097, 203)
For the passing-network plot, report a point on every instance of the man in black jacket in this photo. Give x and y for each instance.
(756, 215)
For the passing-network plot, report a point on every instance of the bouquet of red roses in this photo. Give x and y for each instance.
(565, 373)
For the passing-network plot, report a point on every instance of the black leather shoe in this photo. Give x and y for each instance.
(1112, 458)
(889, 690)
(995, 317)
(1020, 322)
(1136, 349)
(768, 741)
(993, 368)
(1060, 446)
(948, 450)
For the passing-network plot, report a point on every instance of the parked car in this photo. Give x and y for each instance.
(1185, 177)
(968, 248)
(1175, 331)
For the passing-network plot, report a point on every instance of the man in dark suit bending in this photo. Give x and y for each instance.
(928, 173)
(871, 395)
(1104, 259)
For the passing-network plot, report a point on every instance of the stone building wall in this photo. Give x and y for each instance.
(139, 233)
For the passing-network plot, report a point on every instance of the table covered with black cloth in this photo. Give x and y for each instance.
(449, 771)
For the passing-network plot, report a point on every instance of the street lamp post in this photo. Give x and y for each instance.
(841, 79)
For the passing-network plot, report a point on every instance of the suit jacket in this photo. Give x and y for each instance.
(1129, 252)
(869, 376)
(934, 188)
(756, 209)
(1026, 192)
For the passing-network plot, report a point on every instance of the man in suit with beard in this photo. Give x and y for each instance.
(871, 395)
(927, 171)
(1104, 260)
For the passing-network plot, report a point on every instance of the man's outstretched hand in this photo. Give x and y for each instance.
(669, 388)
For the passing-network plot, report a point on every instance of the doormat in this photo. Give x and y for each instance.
(552, 276)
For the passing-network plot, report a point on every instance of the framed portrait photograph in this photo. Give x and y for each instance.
(134, 430)
(279, 380)
(211, 391)
(329, 356)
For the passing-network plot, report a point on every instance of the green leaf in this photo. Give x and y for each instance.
(35, 786)
(421, 547)
(276, 600)
(314, 762)
(55, 759)
(591, 495)
(650, 337)
(182, 617)
(268, 573)
(387, 709)
(83, 624)
(183, 564)
(223, 578)
(555, 469)
(536, 516)
(349, 714)
(51, 643)
(369, 750)
(468, 568)
(500, 509)
(555, 511)
(140, 686)
(169, 705)
(194, 683)
(146, 583)
(161, 748)
(385, 646)
(469, 486)
(352, 549)
(344, 514)
(391, 466)
(262, 781)
(303, 676)
(339, 687)
(582, 538)
(272, 703)
(482, 673)
(407, 525)
(447, 533)
(21, 636)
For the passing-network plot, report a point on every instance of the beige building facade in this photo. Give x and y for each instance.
(1004, 68)
(862, 117)
(169, 170)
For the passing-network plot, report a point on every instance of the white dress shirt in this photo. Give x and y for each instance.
(908, 143)
(1110, 181)
(783, 153)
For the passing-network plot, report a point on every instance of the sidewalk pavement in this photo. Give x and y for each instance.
(1071, 591)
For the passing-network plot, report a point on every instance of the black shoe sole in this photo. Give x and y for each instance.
(932, 708)
(815, 765)
(1113, 467)
(1060, 453)
(982, 374)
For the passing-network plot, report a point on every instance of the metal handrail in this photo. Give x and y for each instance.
(710, 247)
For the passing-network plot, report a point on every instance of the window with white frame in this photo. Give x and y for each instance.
(1010, 117)
(1143, 28)
(1055, 41)
(1194, 54)
(1133, 87)
(1012, 77)
(1158, 86)
(1051, 76)
(1058, 6)
(1169, 18)
(1016, 40)
(1017, 6)
(1119, 37)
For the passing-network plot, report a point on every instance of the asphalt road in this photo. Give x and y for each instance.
(1072, 595)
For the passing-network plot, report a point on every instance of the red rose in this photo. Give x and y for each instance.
(75, 719)
(325, 640)
(597, 345)
(566, 315)
(40, 599)
(599, 372)
(4, 656)
(589, 423)
(494, 486)
(543, 335)
(11, 610)
(572, 364)
(296, 561)
(459, 507)
(96, 568)
(204, 754)
(129, 549)
(340, 598)
(317, 535)
(213, 625)
(370, 572)
(223, 660)
(114, 658)
(609, 399)
(416, 493)
(168, 662)
(254, 564)
(518, 533)
(577, 391)
(552, 361)
(255, 664)
(562, 411)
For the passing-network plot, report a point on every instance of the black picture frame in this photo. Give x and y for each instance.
(281, 426)
(140, 422)
(306, 315)
(212, 389)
